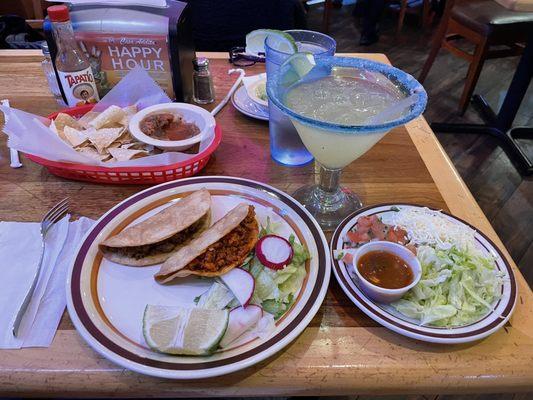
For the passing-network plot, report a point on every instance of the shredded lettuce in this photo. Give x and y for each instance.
(458, 287)
(268, 229)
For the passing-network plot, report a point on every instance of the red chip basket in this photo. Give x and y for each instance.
(126, 175)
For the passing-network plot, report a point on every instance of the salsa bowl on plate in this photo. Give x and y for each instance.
(107, 300)
(172, 126)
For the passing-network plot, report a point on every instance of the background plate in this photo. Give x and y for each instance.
(242, 102)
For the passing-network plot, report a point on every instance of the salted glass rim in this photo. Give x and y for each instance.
(406, 83)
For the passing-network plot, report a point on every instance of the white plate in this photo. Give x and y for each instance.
(242, 102)
(387, 316)
(106, 300)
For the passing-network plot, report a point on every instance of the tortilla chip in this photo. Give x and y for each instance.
(130, 112)
(126, 137)
(176, 265)
(111, 115)
(85, 119)
(114, 145)
(74, 137)
(134, 146)
(102, 138)
(63, 120)
(121, 154)
(92, 153)
(190, 215)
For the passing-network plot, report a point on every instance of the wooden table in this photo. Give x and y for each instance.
(342, 351)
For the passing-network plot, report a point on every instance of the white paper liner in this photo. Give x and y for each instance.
(30, 134)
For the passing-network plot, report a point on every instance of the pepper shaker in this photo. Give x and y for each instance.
(203, 90)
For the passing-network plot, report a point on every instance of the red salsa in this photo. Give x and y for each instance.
(168, 126)
(385, 269)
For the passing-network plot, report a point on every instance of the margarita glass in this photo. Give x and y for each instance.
(336, 110)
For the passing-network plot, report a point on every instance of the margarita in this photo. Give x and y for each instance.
(343, 100)
(341, 107)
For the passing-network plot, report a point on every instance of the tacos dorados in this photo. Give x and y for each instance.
(153, 240)
(217, 250)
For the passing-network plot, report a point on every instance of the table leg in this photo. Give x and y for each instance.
(499, 125)
(518, 88)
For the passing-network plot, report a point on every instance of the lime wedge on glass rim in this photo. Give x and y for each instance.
(279, 40)
(296, 67)
(180, 330)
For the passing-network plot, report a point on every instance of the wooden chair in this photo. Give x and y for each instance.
(405, 9)
(484, 23)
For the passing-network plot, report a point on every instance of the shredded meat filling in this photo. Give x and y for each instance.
(228, 249)
(164, 246)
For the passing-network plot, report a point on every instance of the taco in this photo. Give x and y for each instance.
(217, 250)
(154, 240)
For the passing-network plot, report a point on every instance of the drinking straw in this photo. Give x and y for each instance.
(231, 91)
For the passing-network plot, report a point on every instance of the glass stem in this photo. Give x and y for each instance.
(328, 190)
(329, 180)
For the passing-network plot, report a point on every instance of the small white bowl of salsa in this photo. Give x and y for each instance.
(386, 270)
(172, 126)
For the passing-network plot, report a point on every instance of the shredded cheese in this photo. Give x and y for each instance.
(429, 227)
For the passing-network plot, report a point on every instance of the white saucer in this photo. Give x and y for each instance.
(242, 102)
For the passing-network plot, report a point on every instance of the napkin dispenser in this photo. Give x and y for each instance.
(118, 37)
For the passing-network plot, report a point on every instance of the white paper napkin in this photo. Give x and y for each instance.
(20, 247)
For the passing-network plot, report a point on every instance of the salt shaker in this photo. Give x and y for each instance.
(49, 73)
(203, 90)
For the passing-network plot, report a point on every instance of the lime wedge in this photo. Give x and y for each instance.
(180, 330)
(296, 67)
(279, 40)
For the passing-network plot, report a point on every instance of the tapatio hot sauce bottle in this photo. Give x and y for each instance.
(73, 68)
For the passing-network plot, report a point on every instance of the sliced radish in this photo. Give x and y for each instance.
(241, 319)
(241, 283)
(274, 251)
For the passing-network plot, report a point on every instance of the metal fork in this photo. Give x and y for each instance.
(50, 218)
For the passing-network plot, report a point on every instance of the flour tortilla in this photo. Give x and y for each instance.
(176, 265)
(192, 209)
